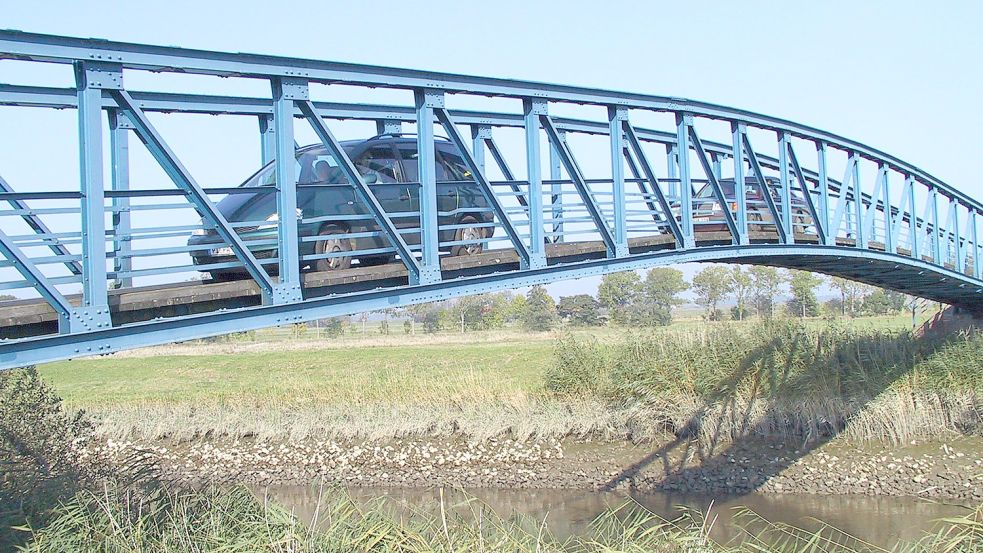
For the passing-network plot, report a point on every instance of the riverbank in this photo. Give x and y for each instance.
(932, 469)
(723, 409)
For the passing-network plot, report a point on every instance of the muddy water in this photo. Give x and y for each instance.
(882, 521)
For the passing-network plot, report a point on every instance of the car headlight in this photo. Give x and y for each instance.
(200, 231)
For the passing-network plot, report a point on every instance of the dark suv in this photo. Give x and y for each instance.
(708, 214)
(329, 207)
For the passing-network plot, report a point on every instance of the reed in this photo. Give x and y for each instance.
(124, 519)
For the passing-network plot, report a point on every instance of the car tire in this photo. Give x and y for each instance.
(468, 233)
(329, 242)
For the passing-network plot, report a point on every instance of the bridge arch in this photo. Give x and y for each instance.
(656, 181)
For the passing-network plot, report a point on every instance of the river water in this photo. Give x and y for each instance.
(881, 521)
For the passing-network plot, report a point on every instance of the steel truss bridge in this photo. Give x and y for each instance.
(102, 265)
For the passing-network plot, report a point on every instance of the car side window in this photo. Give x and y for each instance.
(454, 166)
(379, 161)
(411, 172)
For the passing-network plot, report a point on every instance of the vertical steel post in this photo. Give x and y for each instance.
(889, 222)
(388, 126)
(532, 108)
(267, 139)
(119, 152)
(974, 234)
(786, 190)
(90, 79)
(683, 122)
(956, 238)
(821, 150)
(479, 133)
(285, 92)
(556, 190)
(858, 203)
(936, 227)
(740, 187)
(617, 115)
(425, 101)
(913, 237)
(672, 170)
(717, 165)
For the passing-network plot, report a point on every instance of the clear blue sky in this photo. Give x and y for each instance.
(901, 76)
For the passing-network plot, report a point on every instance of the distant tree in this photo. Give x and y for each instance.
(515, 309)
(407, 326)
(618, 292)
(384, 327)
(851, 294)
(883, 302)
(660, 294)
(581, 309)
(334, 327)
(432, 320)
(711, 286)
(803, 285)
(766, 285)
(540, 312)
(741, 284)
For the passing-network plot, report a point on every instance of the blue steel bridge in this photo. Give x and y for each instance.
(102, 264)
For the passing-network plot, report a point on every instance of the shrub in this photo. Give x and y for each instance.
(38, 444)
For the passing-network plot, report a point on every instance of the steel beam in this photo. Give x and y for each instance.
(267, 139)
(580, 183)
(38, 226)
(786, 190)
(372, 204)
(183, 179)
(49, 348)
(683, 123)
(90, 79)
(806, 194)
(718, 191)
(388, 126)
(617, 117)
(34, 277)
(556, 189)
(737, 131)
(287, 91)
(531, 111)
(119, 152)
(646, 167)
(763, 186)
(448, 124)
(426, 100)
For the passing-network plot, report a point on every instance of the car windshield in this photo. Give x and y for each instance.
(314, 166)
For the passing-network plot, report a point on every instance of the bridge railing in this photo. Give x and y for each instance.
(658, 172)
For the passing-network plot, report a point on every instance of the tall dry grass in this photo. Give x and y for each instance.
(783, 379)
(233, 520)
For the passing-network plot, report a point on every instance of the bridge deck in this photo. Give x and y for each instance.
(22, 318)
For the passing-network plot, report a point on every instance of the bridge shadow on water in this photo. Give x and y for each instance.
(748, 419)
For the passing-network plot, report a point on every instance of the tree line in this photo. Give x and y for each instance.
(631, 299)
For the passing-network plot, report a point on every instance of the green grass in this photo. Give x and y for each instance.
(369, 373)
(279, 384)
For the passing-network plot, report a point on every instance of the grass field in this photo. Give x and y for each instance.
(279, 382)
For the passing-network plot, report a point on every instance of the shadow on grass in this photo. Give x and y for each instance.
(699, 461)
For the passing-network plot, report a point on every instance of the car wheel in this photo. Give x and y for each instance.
(468, 233)
(330, 242)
